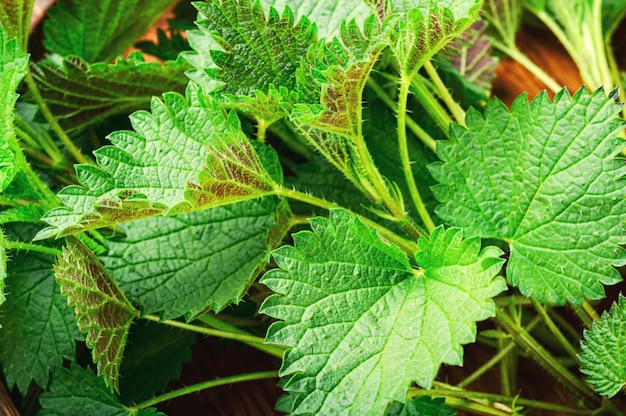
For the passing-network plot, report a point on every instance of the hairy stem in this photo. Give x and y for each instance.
(556, 332)
(432, 106)
(203, 386)
(20, 245)
(453, 106)
(405, 159)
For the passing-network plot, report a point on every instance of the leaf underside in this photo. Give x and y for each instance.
(102, 311)
(362, 324)
(545, 179)
(603, 353)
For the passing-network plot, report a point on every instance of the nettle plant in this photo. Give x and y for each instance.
(336, 165)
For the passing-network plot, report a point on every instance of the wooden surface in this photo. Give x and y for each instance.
(212, 358)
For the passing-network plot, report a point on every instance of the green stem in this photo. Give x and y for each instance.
(432, 106)
(544, 358)
(419, 132)
(54, 124)
(261, 129)
(473, 408)
(20, 245)
(520, 58)
(446, 390)
(445, 95)
(586, 313)
(405, 159)
(215, 322)
(245, 338)
(203, 386)
(556, 332)
(408, 246)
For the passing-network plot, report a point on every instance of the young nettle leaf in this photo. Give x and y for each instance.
(76, 391)
(102, 311)
(38, 327)
(337, 72)
(426, 27)
(12, 69)
(99, 31)
(15, 18)
(421, 406)
(79, 94)
(362, 323)
(602, 356)
(543, 178)
(188, 154)
(193, 262)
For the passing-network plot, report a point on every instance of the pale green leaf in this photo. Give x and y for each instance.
(12, 69)
(362, 323)
(426, 27)
(79, 392)
(79, 94)
(188, 154)
(15, 17)
(421, 406)
(603, 353)
(99, 31)
(544, 179)
(189, 263)
(328, 15)
(153, 357)
(102, 311)
(38, 327)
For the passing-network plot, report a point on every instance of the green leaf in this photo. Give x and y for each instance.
(77, 392)
(421, 406)
(153, 356)
(188, 154)
(328, 15)
(603, 353)
(15, 18)
(544, 179)
(426, 27)
(12, 69)
(79, 94)
(613, 12)
(189, 263)
(362, 323)
(99, 31)
(38, 328)
(102, 311)
(3, 268)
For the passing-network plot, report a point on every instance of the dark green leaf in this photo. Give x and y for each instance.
(99, 31)
(79, 94)
(15, 17)
(421, 406)
(78, 392)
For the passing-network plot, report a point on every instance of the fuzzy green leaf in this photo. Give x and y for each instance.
(38, 327)
(12, 69)
(77, 392)
(328, 15)
(427, 26)
(102, 311)
(153, 357)
(362, 324)
(189, 263)
(421, 406)
(99, 31)
(188, 154)
(336, 73)
(545, 179)
(603, 353)
(79, 94)
(15, 17)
